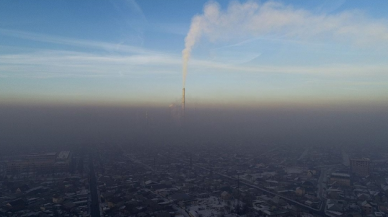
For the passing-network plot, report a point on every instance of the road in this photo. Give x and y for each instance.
(322, 177)
(95, 205)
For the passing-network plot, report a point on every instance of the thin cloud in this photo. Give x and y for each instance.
(74, 42)
(333, 70)
(275, 19)
(280, 21)
(52, 63)
(67, 64)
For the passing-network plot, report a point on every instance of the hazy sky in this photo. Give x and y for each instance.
(247, 52)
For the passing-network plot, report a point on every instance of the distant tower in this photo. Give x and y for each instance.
(146, 118)
(183, 102)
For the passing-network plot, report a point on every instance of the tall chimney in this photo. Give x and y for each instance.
(183, 102)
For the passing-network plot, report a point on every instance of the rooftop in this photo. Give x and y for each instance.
(341, 175)
(63, 155)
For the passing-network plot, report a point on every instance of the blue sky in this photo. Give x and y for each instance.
(247, 52)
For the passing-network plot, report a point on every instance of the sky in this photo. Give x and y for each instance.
(247, 53)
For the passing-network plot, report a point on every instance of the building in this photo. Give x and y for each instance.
(366, 208)
(63, 161)
(342, 179)
(300, 191)
(360, 167)
(40, 163)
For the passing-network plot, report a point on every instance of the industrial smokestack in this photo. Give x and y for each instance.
(183, 102)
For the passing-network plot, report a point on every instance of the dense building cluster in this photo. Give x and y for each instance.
(47, 184)
(40, 163)
(117, 181)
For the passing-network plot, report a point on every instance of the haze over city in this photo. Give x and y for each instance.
(193, 108)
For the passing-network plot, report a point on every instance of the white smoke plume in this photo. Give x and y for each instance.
(190, 40)
(274, 19)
